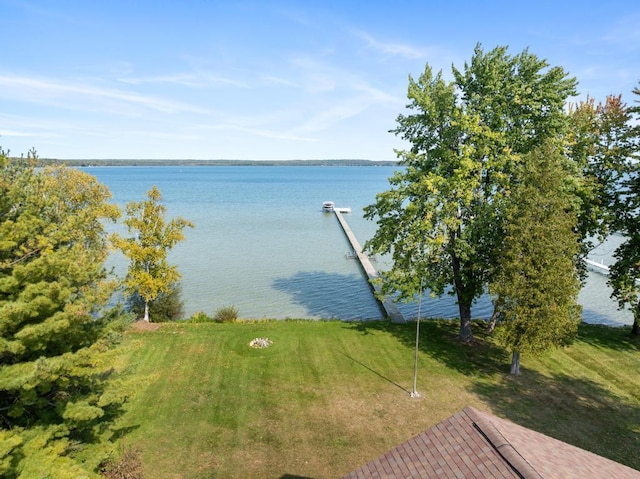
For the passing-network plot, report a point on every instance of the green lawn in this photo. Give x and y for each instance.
(328, 396)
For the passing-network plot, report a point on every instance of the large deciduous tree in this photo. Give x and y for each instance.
(601, 144)
(54, 331)
(624, 275)
(441, 220)
(150, 273)
(536, 280)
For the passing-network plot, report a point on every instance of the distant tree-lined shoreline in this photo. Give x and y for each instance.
(169, 162)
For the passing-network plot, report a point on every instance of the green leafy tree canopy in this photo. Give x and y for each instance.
(624, 276)
(441, 220)
(150, 273)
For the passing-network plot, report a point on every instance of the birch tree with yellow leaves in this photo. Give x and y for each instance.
(150, 273)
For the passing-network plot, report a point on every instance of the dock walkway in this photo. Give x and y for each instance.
(597, 267)
(391, 309)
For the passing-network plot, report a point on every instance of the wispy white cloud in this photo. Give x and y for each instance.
(363, 98)
(336, 92)
(283, 134)
(276, 135)
(314, 75)
(379, 96)
(276, 80)
(296, 16)
(17, 133)
(165, 136)
(35, 90)
(33, 126)
(403, 50)
(197, 80)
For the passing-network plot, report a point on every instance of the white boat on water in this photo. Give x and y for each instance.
(330, 207)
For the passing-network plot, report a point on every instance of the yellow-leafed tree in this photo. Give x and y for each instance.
(149, 273)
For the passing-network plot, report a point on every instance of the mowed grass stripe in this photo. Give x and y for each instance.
(329, 396)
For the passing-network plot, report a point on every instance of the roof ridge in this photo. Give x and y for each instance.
(510, 454)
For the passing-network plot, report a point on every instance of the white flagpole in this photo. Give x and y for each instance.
(414, 393)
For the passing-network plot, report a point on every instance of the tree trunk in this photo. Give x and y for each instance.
(464, 306)
(465, 334)
(494, 316)
(515, 363)
(635, 329)
(146, 311)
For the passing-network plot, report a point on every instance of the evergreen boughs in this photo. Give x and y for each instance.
(536, 282)
(55, 336)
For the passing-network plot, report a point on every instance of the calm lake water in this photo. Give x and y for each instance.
(262, 244)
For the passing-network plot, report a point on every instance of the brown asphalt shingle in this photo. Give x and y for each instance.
(478, 445)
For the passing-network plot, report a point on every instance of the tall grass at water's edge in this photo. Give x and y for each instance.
(326, 397)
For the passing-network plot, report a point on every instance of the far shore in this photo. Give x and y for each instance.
(193, 162)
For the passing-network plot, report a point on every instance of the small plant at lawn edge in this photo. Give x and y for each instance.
(228, 314)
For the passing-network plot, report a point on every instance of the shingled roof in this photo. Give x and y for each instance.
(478, 445)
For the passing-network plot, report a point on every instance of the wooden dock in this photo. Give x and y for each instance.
(597, 267)
(390, 308)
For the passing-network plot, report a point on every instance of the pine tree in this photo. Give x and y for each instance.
(55, 334)
(537, 285)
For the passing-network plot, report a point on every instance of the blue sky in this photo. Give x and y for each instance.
(269, 79)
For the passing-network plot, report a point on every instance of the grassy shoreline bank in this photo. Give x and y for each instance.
(329, 396)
